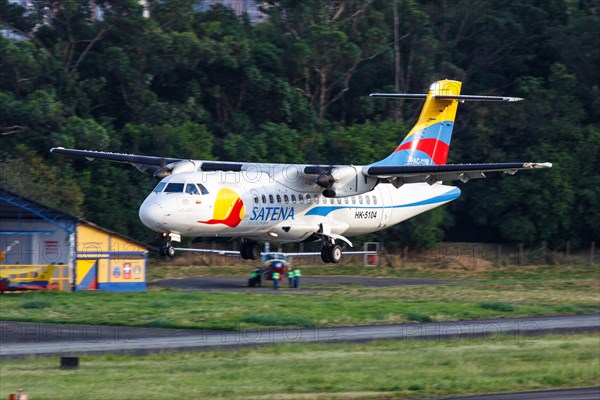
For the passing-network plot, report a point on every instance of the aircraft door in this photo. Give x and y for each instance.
(386, 204)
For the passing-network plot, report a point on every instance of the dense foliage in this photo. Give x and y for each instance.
(293, 87)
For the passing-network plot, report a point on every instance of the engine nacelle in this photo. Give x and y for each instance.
(182, 166)
(347, 181)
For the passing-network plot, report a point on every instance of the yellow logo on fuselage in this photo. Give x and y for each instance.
(229, 209)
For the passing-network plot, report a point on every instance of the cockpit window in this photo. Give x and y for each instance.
(190, 188)
(174, 188)
(159, 187)
(203, 190)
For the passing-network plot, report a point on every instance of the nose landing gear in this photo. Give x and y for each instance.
(166, 248)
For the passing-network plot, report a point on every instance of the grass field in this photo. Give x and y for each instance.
(345, 371)
(524, 273)
(487, 294)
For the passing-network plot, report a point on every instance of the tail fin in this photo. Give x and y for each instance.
(48, 272)
(428, 142)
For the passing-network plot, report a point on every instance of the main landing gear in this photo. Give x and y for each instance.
(331, 252)
(250, 250)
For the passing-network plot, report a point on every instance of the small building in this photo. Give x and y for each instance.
(92, 257)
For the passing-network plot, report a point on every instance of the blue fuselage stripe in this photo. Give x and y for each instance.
(451, 195)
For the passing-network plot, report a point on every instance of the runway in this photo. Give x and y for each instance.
(564, 394)
(18, 339)
(239, 283)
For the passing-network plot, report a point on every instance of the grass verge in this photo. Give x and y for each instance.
(255, 309)
(487, 294)
(398, 369)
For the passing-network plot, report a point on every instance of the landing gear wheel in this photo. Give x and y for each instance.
(170, 251)
(324, 255)
(250, 250)
(244, 252)
(254, 251)
(334, 253)
(166, 250)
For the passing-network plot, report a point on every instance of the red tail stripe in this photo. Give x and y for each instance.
(436, 149)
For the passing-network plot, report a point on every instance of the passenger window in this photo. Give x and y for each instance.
(159, 187)
(308, 199)
(278, 198)
(294, 198)
(339, 201)
(360, 200)
(174, 188)
(271, 199)
(202, 188)
(286, 198)
(317, 199)
(255, 199)
(368, 199)
(345, 200)
(331, 201)
(264, 199)
(353, 199)
(301, 199)
(374, 199)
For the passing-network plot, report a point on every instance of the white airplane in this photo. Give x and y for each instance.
(296, 202)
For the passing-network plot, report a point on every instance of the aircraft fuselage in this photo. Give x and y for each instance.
(226, 204)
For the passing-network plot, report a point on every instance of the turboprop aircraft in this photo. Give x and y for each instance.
(302, 202)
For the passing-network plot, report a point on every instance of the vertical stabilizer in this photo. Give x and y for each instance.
(428, 142)
(48, 272)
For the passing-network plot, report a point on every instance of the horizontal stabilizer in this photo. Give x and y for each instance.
(461, 98)
(411, 96)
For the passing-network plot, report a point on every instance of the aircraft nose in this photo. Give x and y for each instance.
(152, 215)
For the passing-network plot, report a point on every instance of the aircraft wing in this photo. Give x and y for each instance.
(399, 175)
(118, 157)
(142, 162)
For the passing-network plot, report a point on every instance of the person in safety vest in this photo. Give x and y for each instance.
(275, 278)
(255, 278)
(290, 276)
(297, 276)
(258, 272)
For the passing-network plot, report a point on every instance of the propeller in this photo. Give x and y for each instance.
(324, 179)
(161, 173)
(165, 169)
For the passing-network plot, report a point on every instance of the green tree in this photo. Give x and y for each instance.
(24, 172)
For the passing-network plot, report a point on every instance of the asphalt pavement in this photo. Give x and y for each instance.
(237, 283)
(19, 339)
(565, 394)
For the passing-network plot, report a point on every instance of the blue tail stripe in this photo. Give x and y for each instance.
(440, 131)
